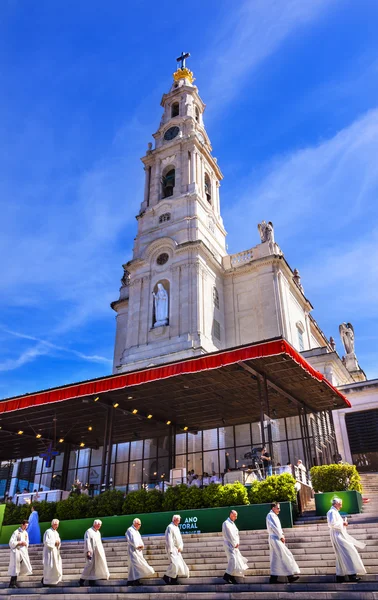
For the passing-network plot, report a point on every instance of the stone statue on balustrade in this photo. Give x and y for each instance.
(266, 231)
(347, 337)
(161, 306)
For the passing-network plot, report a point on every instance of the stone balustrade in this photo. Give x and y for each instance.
(240, 258)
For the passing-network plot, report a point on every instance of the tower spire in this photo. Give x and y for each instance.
(182, 71)
(182, 59)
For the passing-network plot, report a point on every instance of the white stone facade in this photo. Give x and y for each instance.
(216, 300)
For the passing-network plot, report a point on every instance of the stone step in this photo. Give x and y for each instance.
(302, 591)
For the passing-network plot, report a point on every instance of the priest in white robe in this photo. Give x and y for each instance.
(138, 566)
(237, 564)
(348, 561)
(96, 566)
(282, 561)
(52, 562)
(174, 547)
(19, 562)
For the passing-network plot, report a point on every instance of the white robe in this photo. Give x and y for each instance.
(52, 562)
(348, 561)
(138, 566)
(174, 546)
(237, 564)
(282, 561)
(19, 562)
(97, 567)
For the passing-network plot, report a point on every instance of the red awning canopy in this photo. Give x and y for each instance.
(200, 392)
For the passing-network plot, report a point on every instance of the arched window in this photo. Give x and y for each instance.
(197, 114)
(300, 332)
(216, 297)
(168, 183)
(165, 217)
(208, 188)
(175, 109)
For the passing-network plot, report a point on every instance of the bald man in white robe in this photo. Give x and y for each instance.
(282, 561)
(96, 566)
(138, 566)
(348, 561)
(52, 562)
(174, 547)
(237, 564)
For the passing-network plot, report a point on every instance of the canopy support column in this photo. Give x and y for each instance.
(103, 458)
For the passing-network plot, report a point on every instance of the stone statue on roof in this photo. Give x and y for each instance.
(347, 337)
(266, 231)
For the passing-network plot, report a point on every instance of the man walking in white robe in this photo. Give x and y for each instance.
(52, 562)
(138, 566)
(19, 562)
(237, 564)
(96, 566)
(282, 561)
(174, 547)
(348, 561)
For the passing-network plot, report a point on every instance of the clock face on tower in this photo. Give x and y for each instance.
(171, 133)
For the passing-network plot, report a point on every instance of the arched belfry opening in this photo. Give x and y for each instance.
(168, 182)
(175, 110)
(197, 114)
(208, 188)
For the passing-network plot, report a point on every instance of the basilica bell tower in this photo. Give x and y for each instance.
(171, 300)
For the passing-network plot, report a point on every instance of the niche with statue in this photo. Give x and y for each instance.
(160, 312)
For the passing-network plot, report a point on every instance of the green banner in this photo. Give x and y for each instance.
(352, 502)
(203, 520)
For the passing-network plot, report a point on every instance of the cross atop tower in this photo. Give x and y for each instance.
(181, 59)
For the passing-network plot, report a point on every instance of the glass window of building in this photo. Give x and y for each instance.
(122, 475)
(243, 435)
(194, 442)
(163, 445)
(211, 462)
(227, 459)
(256, 434)
(180, 443)
(293, 427)
(195, 462)
(136, 450)
(226, 437)
(240, 459)
(210, 439)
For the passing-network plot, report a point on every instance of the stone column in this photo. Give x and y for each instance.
(202, 175)
(193, 170)
(155, 183)
(217, 201)
(147, 186)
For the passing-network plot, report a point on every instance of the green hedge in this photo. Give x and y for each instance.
(335, 478)
(179, 497)
(279, 488)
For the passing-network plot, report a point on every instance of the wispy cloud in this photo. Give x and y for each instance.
(323, 202)
(44, 347)
(327, 187)
(250, 33)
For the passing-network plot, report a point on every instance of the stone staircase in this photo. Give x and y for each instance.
(308, 540)
(205, 557)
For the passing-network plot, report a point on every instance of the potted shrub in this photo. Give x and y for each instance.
(341, 480)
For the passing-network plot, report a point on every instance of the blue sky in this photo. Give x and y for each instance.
(291, 89)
